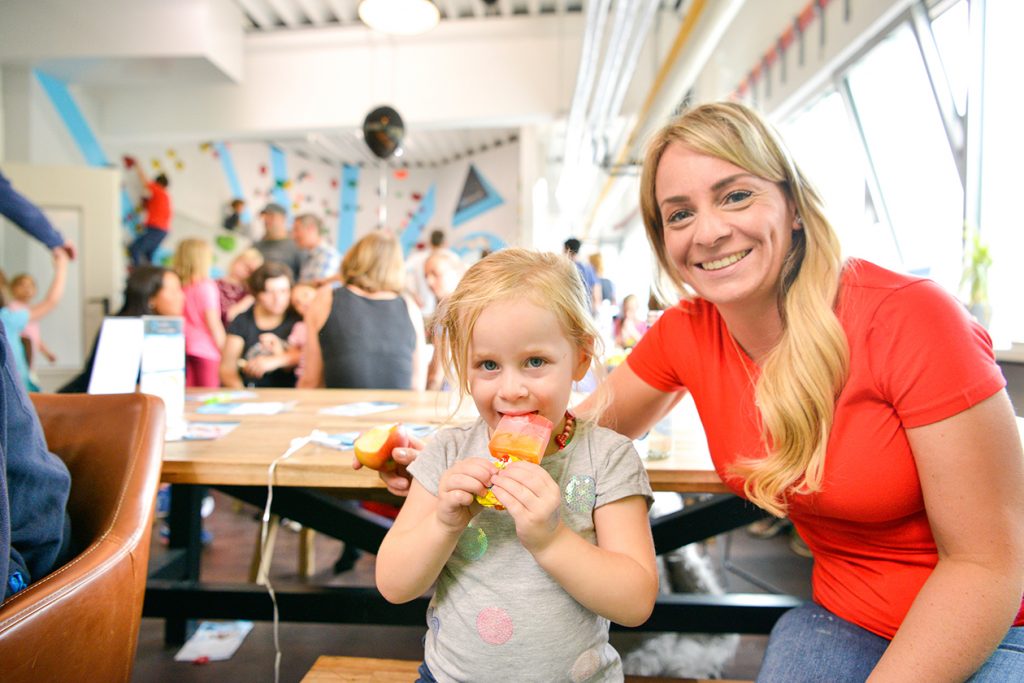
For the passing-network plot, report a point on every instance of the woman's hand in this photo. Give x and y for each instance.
(533, 498)
(398, 479)
(457, 491)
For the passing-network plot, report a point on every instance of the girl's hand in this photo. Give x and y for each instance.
(457, 491)
(398, 480)
(532, 497)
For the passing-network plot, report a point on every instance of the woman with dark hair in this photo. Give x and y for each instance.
(257, 351)
(150, 290)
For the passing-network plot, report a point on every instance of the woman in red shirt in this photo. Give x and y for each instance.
(864, 404)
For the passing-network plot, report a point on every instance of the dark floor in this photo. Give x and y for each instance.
(227, 559)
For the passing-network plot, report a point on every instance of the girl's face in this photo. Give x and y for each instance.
(242, 268)
(629, 307)
(25, 290)
(170, 300)
(276, 295)
(302, 297)
(521, 362)
(725, 230)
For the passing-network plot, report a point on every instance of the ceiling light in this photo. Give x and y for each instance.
(402, 17)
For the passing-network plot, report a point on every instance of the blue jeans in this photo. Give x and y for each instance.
(145, 245)
(424, 675)
(810, 644)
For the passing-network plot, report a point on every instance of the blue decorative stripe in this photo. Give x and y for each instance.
(228, 164)
(411, 234)
(85, 140)
(73, 119)
(348, 204)
(279, 170)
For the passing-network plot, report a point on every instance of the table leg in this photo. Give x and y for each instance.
(185, 523)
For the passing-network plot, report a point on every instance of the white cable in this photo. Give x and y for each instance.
(296, 445)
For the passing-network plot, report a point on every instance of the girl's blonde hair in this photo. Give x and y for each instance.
(549, 281)
(375, 263)
(802, 376)
(251, 256)
(192, 260)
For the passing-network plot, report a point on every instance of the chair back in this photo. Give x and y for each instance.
(81, 621)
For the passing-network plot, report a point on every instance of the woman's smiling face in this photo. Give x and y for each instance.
(726, 230)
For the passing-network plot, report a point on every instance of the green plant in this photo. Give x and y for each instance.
(977, 261)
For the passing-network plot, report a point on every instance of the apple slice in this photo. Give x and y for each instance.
(373, 447)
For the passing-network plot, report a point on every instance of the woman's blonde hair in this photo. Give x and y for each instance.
(549, 281)
(375, 264)
(192, 260)
(803, 375)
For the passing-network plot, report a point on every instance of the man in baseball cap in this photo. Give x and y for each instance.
(276, 244)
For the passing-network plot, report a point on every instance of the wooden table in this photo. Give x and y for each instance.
(243, 456)
(311, 486)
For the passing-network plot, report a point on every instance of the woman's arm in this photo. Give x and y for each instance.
(970, 467)
(229, 356)
(623, 556)
(427, 529)
(419, 359)
(315, 318)
(634, 406)
(56, 290)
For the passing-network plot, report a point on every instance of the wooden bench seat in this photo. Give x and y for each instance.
(367, 670)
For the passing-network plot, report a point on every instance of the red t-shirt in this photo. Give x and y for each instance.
(916, 357)
(158, 207)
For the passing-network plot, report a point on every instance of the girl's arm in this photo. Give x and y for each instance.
(313, 360)
(56, 290)
(239, 306)
(634, 404)
(212, 318)
(623, 556)
(46, 351)
(427, 529)
(229, 356)
(970, 467)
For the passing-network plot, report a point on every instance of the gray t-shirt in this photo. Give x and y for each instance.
(496, 615)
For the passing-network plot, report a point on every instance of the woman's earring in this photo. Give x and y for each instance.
(798, 223)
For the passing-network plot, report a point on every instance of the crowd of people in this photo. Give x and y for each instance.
(863, 405)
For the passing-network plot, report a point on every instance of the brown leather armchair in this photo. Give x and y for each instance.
(81, 622)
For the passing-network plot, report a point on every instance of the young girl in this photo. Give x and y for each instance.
(204, 331)
(234, 296)
(23, 291)
(527, 592)
(628, 325)
(16, 320)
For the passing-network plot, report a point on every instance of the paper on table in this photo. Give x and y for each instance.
(206, 431)
(345, 441)
(214, 641)
(264, 408)
(221, 396)
(360, 408)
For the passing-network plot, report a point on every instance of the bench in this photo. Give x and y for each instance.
(367, 670)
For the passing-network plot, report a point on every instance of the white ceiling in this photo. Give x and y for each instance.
(275, 15)
(421, 148)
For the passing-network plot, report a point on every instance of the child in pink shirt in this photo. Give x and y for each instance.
(204, 331)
